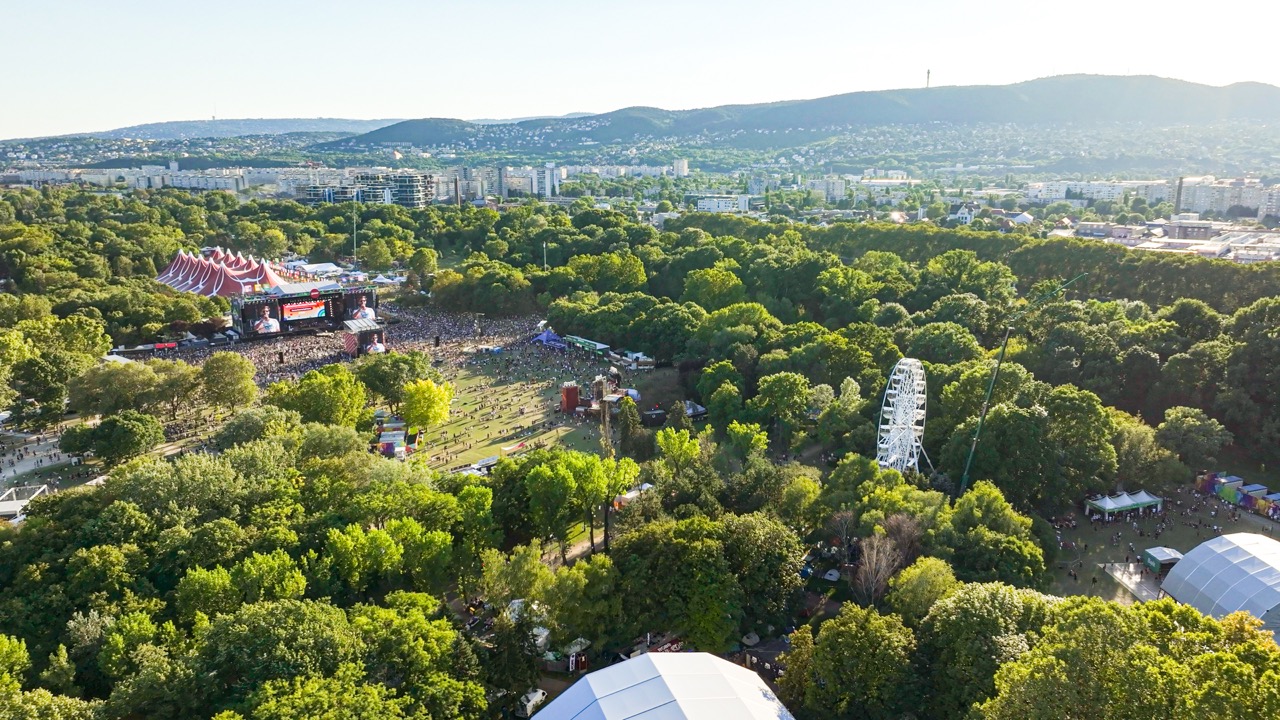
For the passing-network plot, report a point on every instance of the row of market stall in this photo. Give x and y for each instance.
(1254, 497)
(625, 358)
(395, 439)
(1107, 506)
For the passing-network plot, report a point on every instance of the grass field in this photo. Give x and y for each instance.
(510, 399)
(1094, 546)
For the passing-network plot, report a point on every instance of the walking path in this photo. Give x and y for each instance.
(25, 452)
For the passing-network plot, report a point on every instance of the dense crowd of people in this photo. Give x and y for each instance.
(516, 400)
(282, 358)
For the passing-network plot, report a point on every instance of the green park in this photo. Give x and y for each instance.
(223, 538)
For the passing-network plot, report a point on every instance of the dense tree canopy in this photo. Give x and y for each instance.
(292, 573)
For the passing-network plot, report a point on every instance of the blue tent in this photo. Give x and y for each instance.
(550, 339)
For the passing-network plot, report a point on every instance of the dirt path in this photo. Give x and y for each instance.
(576, 551)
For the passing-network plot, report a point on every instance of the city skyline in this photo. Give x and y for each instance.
(92, 68)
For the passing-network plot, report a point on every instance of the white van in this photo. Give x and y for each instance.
(530, 702)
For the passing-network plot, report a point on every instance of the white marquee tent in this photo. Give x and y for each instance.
(668, 686)
(1240, 571)
(1124, 502)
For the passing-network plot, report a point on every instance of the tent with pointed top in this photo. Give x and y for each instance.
(221, 274)
(549, 339)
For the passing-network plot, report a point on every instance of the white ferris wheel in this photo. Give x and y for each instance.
(898, 444)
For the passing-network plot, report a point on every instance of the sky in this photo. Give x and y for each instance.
(84, 65)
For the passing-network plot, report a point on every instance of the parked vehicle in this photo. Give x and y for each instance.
(530, 702)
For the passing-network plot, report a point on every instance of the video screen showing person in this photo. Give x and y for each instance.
(362, 307)
(305, 310)
(261, 319)
(375, 344)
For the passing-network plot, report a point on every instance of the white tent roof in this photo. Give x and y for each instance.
(1240, 571)
(1123, 501)
(668, 686)
(1104, 503)
(1142, 496)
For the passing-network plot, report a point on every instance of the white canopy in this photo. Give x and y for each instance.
(668, 686)
(1124, 501)
(1104, 503)
(1146, 498)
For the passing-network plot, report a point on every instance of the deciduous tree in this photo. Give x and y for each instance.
(426, 403)
(227, 380)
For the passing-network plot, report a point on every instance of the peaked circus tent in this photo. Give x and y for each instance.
(220, 273)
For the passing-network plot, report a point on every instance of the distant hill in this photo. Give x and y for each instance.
(184, 129)
(511, 121)
(1060, 99)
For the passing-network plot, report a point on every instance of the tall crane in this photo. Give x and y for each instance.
(995, 375)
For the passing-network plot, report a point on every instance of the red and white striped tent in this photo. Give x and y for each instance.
(221, 273)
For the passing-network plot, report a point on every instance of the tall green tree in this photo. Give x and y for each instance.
(967, 636)
(426, 402)
(227, 380)
(630, 432)
(387, 375)
(1192, 435)
(177, 385)
(117, 438)
(862, 666)
(331, 395)
(913, 592)
(783, 400)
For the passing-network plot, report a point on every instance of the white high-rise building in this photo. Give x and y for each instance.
(546, 181)
(680, 167)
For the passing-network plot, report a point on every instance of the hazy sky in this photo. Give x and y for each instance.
(80, 65)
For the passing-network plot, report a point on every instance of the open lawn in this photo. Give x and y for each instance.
(507, 403)
(1093, 545)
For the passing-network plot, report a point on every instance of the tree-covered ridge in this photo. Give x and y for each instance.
(1063, 99)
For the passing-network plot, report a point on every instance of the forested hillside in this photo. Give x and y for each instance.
(1062, 99)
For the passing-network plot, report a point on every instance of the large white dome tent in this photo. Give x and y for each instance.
(668, 686)
(1240, 571)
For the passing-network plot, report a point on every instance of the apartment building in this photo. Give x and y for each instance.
(832, 187)
(724, 203)
(1211, 194)
(1153, 191)
(412, 190)
(546, 181)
